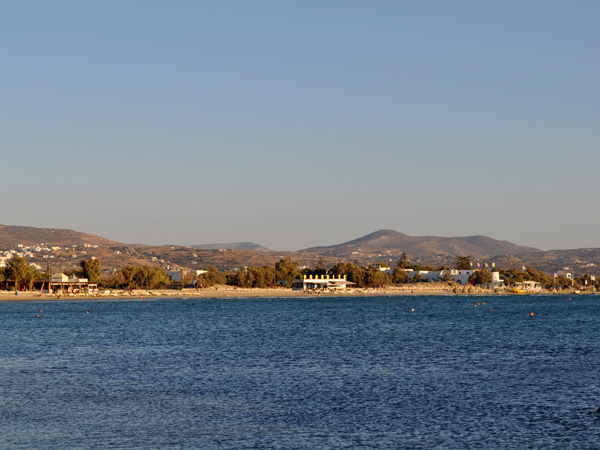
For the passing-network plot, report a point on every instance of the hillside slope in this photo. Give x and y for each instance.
(11, 236)
(390, 240)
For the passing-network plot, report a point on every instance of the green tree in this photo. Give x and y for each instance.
(481, 277)
(256, 277)
(286, 271)
(157, 277)
(399, 275)
(212, 277)
(403, 261)
(238, 278)
(187, 277)
(91, 270)
(140, 277)
(532, 274)
(20, 272)
(374, 277)
(338, 269)
(268, 276)
(124, 278)
(417, 278)
(462, 262)
(512, 276)
(356, 274)
(563, 281)
(251, 277)
(320, 269)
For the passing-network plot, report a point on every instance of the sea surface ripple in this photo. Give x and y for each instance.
(308, 373)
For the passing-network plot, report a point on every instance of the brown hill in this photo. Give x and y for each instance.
(381, 246)
(393, 241)
(11, 236)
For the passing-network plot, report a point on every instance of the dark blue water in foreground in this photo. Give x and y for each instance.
(318, 373)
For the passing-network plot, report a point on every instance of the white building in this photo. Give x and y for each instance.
(176, 274)
(496, 281)
(459, 276)
(310, 282)
(60, 283)
(565, 273)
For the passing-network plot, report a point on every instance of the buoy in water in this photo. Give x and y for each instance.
(531, 314)
(412, 309)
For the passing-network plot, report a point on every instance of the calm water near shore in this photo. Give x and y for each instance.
(302, 373)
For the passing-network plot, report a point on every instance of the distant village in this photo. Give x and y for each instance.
(44, 252)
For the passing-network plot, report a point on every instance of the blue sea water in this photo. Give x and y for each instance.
(302, 373)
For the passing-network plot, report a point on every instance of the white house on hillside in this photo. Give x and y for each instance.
(565, 273)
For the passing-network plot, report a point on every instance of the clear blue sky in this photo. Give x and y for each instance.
(301, 123)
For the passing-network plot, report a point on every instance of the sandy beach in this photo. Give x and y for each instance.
(235, 292)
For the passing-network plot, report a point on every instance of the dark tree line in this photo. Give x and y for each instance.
(19, 274)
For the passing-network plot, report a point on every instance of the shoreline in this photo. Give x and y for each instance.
(216, 293)
(234, 292)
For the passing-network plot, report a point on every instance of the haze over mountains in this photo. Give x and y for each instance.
(383, 246)
(378, 241)
(233, 246)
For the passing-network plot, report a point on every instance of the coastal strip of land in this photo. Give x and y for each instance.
(236, 292)
(223, 291)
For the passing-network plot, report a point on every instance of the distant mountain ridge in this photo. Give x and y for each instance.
(390, 240)
(374, 248)
(381, 240)
(233, 246)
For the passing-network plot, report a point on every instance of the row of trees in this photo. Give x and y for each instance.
(18, 272)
